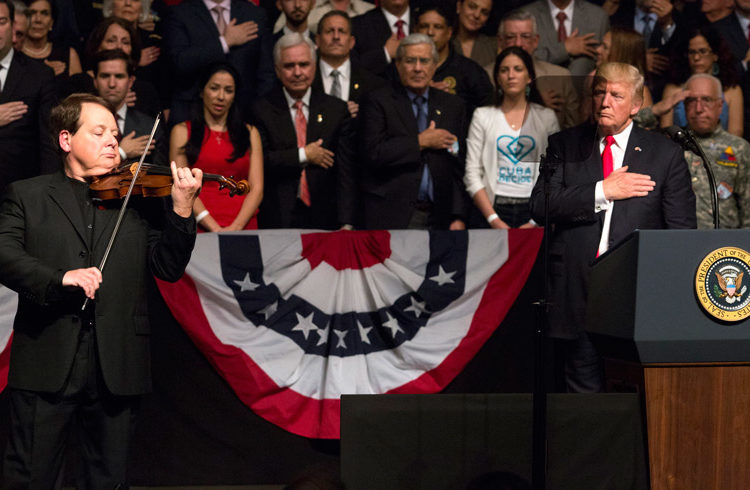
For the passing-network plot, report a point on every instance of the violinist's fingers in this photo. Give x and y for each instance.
(198, 176)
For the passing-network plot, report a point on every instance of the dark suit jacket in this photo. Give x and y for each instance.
(42, 235)
(142, 124)
(192, 43)
(371, 30)
(25, 145)
(331, 190)
(393, 161)
(731, 30)
(577, 227)
(362, 82)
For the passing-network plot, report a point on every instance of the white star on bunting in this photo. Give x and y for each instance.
(443, 277)
(418, 307)
(392, 323)
(304, 324)
(364, 332)
(246, 284)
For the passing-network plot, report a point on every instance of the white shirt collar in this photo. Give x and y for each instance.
(744, 21)
(392, 19)
(621, 138)
(305, 33)
(344, 70)
(227, 4)
(290, 101)
(5, 62)
(568, 10)
(122, 112)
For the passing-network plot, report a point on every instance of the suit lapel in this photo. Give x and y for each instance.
(403, 107)
(204, 16)
(434, 108)
(316, 122)
(15, 75)
(61, 193)
(283, 115)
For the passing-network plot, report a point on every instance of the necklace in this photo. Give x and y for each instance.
(37, 53)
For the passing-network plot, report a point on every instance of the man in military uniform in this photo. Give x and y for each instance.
(728, 154)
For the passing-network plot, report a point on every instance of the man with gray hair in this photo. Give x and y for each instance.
(728, 155)
(415, 140)
(307, 146)
(555, 84)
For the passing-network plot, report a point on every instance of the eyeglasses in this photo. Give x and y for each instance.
(699, 52)
(704, 100)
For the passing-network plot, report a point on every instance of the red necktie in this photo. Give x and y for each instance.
(607, 160)
(748, 34)
(400, 34)
(300, 126)
(562, 34)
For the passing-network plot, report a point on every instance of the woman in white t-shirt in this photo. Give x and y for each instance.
(505, 142)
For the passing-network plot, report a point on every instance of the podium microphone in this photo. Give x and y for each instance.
(686, 139)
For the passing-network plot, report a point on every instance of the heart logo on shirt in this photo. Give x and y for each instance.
(515, 148)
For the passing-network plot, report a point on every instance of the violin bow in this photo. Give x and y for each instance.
(125, 202)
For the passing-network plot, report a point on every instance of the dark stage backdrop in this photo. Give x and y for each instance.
(193, 430)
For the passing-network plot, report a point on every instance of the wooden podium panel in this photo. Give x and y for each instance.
(698, 426)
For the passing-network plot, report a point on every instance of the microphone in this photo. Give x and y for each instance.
(686, 139)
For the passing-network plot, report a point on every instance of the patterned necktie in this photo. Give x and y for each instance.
(562, 34)
(426, 192)
(607, 160)
(400, 34)
(300, 126)
(336, 85)
(221, 24)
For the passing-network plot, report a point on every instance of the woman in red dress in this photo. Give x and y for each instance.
(217, 141)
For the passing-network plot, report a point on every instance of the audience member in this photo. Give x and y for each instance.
(715, 10)
(570, 31)
(308, 145)
(455, 73)
(352, 8)
(414, 136)
(199, 32)
(611, 177)
(505, 142)
(728, 155)
(378, 33)
(26, 97)
(295, 12)
(554, 83)
(216, 141)
(63, 60)
(468, 40)
(335, 43)
(20, 24)
(707, 53)
(113, 79)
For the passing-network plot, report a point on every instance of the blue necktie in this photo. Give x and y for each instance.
(426, 192)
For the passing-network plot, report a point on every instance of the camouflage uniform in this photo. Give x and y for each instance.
(729, 156)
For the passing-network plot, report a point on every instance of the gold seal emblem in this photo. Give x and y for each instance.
(721, 284)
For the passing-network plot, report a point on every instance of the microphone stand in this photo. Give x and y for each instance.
(539, 423)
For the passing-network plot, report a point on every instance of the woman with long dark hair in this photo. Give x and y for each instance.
(707, 52)
(505, 141)
(217, 141)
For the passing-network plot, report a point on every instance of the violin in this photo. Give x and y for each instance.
(152, 181)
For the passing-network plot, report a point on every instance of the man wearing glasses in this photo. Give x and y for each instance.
(729, 157)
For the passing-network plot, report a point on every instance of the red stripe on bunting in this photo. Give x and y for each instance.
(5, 363)
(320, 419)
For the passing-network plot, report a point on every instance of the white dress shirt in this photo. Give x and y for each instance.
(225, 13)
(601, 203)
(5, 63)
(345, 77)
(291, 101)
(568, 12)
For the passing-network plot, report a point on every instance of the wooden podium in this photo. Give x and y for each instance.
(693, 370)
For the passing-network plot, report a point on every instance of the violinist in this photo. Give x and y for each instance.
(73, 371)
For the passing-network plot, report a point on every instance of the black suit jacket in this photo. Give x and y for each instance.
(192, 43)
(371, 30)
(25, 145)
(361, 82)
(577, 227)
(43, 235)
(730, 29)
(393, 161)
(331, 190)
(142, 125)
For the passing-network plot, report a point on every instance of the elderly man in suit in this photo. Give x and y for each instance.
(198, 33)
(609, 179)
(307, 146)
(570, 31)
(415, 139)
(26, 96)
(113, 78)
(77, 370)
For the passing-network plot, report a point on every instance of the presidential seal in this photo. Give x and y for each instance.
(721, 284)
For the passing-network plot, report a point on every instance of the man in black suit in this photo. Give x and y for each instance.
(414, 137)
(609, 179)
(192, 41)
(295, 13)
(26, 96)
(307, 146)
(335, 43)
(75, 369)
(113, 78)
(379, 32)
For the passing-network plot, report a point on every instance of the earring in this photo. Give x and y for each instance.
(528, 91)
(499, 90)
(715, 69)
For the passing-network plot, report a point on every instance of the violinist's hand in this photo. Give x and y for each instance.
(87, 279)
(186, 184)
